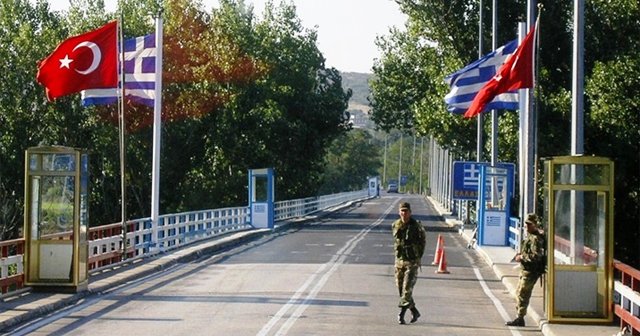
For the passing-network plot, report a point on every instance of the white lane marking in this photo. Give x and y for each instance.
(332, 264)
(503, 313)
(267, 327)
(32, 327)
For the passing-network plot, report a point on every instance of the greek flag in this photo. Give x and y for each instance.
(466, 83)
(139, 75)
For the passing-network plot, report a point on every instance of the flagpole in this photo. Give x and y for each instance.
(528, 193)
(524, 143)
(577, 82)
(121, 132)
(157, 132)
(480, 122)
(480, 119)
(534, 116)
(494, 112)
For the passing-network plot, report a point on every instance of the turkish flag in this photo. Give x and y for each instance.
(515, 73)
(86, 61)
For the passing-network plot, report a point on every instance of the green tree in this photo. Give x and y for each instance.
(350, 160)
(614, 123)
(611, 30)
(28, 34)
(239, 93)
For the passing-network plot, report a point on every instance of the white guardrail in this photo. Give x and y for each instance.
(176, 230)
(105, 242)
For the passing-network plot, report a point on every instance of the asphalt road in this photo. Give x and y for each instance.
(332, 277)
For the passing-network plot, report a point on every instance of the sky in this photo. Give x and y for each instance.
(346, 28)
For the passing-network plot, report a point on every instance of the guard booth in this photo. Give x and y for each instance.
(578, 204)
(261, 197)
(374, 186)
(56, 219)
(494, 204)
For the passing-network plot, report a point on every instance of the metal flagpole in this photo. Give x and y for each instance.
(480, 126)
(523, 145)
(479, 144)
(157, 132)
(576, 235)
(534, 121)
(577, 86)
(528, 193)
(121, 129)
(494, 112)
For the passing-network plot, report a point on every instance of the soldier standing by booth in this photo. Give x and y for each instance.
(532, 260)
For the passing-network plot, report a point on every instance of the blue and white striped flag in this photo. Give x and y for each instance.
(139, 75)
(466, 83)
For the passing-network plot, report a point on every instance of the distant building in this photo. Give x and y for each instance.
(360, 119)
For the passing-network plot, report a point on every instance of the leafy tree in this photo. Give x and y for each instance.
(350, 159)
(26, 119)
(239, 93)
(611, 31)
(309, 97)
(614, 123)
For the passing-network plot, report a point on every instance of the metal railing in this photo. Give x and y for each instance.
(514, 233)
(174, 230)
(11, 264)
(626, 297)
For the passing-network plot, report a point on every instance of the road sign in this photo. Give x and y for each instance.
(466, 175)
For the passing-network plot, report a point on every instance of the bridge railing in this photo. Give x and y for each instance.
(174, 230)
(11, 264)
(306, 206)
(514, 233)
(627, 297)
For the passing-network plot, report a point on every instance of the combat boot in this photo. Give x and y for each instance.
(518, 322)
(415, 314)
(403, 310)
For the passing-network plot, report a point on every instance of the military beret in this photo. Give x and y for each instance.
(531, 218)
(405, 206)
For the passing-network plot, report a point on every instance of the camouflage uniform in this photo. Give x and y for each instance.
(532, 254)
(409, 244)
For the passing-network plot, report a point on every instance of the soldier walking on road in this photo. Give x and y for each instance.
(532, 258)
(409, 243)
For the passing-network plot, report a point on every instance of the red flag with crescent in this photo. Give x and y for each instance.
(86, 61)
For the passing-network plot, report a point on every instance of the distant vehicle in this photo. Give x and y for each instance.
(392, 188)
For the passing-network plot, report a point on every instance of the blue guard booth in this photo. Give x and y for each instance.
(261, 197)
(494, 202)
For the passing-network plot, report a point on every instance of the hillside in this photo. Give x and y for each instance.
(359, 84)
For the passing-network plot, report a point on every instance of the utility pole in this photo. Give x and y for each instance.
(384, 164)
(400, 162)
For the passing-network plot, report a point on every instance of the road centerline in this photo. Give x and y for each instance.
(331, 266)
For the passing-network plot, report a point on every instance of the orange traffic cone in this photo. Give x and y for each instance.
(442, 267)
(438, 255)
